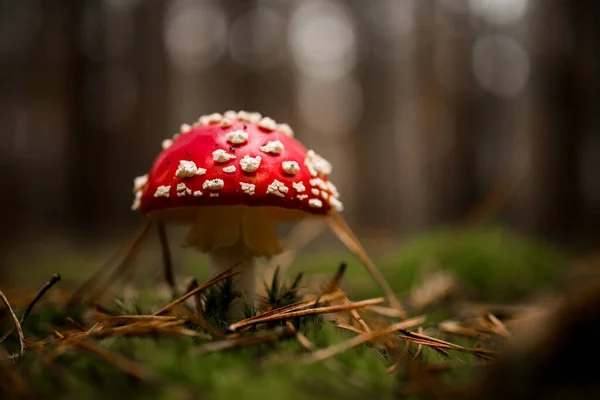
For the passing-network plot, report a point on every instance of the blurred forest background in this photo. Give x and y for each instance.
(432, 112)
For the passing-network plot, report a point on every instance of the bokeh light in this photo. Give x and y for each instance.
(195, 34)
(500, 12)
(323, 40)
(500, 65)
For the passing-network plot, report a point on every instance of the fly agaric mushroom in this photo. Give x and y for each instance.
(231, 178)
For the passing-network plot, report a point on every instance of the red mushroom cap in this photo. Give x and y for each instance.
(237, 159)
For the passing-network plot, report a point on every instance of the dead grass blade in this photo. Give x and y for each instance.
(22, 344)
(420, 345)
(346, 236)
(126, 365)
(438, 344)
(335, 366)
(385, 311)
(222, 276)
(292, 307)
(355, 315)
(334, 284)
(336, 349)
(55, 278)
(455, 328)
(166, 256)
(500, 328)
(243, 341)
(434, 287)
(311, 311)
(97, 284)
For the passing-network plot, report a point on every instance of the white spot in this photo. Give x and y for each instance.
(318, 182)
(162, 191)
(316, 164)
(277, 188)
(254, 117)
(324, 195)
(139, 182)
(210, 119)
(182, 189)
(222, 156)
(166, 143)
(315, 203)
(336, 204)
(315, 191)
(237, 137)
(248, 188)
(299, 186)
(214, 194)
(137, 202)
(302, 196)
(290, 167)
(243, 115)
(286, 129)
(197, 193)
(274, 147)
(268, 124)
(185, 128)
(214, 184)
(226, 122)
(186, 169)
(230, 169)
(250, 164)
(230, 114)
(200, 171)
(333, 189)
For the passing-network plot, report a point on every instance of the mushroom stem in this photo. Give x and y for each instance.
(222, 259)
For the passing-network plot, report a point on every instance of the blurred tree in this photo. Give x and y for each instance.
(88, 146)
(564, 92)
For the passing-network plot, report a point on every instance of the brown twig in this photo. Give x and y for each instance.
(336, 349)
(166, 256)
(55, 278)
(303, 313)
(438, 344)
(346, 236)
(16, 322)
(292, 307)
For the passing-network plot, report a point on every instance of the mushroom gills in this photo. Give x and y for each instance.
(223, 227)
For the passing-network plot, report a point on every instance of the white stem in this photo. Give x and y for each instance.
(237, 255)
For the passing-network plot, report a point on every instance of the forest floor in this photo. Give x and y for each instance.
(322, 331)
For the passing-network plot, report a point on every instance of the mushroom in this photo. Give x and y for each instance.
(231, 179)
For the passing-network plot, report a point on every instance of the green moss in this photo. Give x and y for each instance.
(493, 263)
